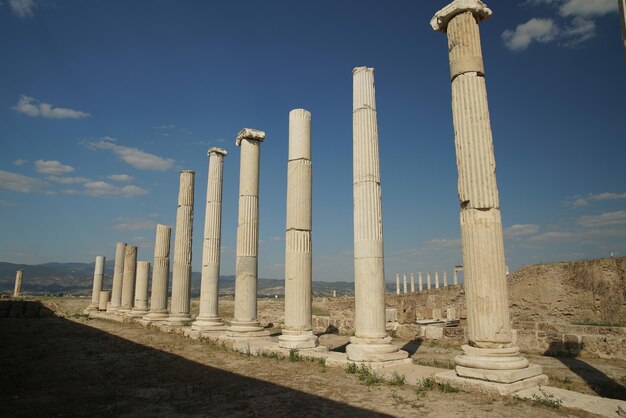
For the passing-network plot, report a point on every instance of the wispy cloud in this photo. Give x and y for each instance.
(52, 167)
(120, 177)
(135, 157)
(134, 224)
(522, 230)
(19, 162)
(7, 203)
(19, 183)
(67, 180)
(22, 8)
(103, 189)
(604, 220)
(33, 108)
(584, 201)
(575, 26)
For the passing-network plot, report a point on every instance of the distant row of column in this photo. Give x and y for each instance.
(421, 283)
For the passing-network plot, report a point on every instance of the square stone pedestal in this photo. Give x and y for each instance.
(490, 388)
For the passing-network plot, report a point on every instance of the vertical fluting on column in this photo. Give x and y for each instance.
(128, 279)
(490, 354)
(428, 280)
(405, 283)
(412, 283)
(98, 274)
(160, 275)
(445, 279)
(118, 274)
(245, 321)
(298, 330)
(436, 280)
(421, 281)
(397, 283)
(141, 290)
(180, 311)
(17, 290)
(370, 342)
(208, 318)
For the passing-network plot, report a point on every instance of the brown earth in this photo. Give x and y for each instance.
(73, 366)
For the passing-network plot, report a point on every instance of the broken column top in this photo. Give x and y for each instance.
(249, 133)
(216, 150)
(481, 12)
(359, 69)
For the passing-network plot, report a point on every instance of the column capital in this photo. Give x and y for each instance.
(215, 150)
(360, 69)
(440, 21)
(249, 133)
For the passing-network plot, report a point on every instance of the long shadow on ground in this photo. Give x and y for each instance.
(56, 367)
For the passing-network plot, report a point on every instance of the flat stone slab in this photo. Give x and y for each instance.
(595, 404)
(489, 388)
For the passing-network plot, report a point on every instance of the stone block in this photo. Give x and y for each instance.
(433, 332)
(489, 388)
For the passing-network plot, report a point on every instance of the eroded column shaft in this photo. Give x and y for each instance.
(141, 288)
(128, 279)
(160, 273)
(118, 275)
(17, 290)
(98, 275)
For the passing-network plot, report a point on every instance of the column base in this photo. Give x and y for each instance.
(489, 387)
(123, 311)
(156, 316)
(297, 339)
(90, 308)
(178, 320)
(136, 313)
(502, 365)
(246, 329)
(208, 323)
(374, 349)
(112, 309)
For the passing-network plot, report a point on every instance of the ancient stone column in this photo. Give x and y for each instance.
(490, 354)
(412, 283)
(397, 283)
(298, 330)
(421, 281)
(160, 275)
(180, 311)
(17, 290)
(436, 280)
(456, 278)
(140, 307)
(98, 274)
(334, 293)
(103, 299)
(445, 279)
(118, 275)
(405, 283)
(428, 280)
(128, 279)
(245, 321)
(208, 318)
(370, 342)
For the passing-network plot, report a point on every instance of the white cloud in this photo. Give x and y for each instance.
(19, 183)
(579, 31)
(19, 162)
(443, 243)
(588, 8)
(120, 177)
(133, 156)
(67, 180)
(103, 189)
(521, 230)
(604, 220)
(22, 8)
(31, 107)
(584, 201)
(134, 224)
(539, 30)
(7, 203)
(52, 167)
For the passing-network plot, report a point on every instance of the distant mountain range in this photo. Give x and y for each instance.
(77, 279)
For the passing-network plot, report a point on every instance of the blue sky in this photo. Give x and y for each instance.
(104, 101)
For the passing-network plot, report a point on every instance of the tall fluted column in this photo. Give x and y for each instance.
(456, 277)
(128, 280)
(445, 279)
(180, 311)
(208, 318)
(412, 283)
(397, 283)
(98, 274)
(160, 275)
(245, 321)
(118, 275)
(490, 354)
(17, 290)
(428, 280)
(370, 342)
(298, 330)
(141, 290)
(421, 281)
(436, 280)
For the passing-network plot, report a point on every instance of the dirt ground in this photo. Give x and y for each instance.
(74, 366)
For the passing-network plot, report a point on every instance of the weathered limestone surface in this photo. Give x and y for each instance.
(490, 354)
(412, 283)
(428, 280)
(298, 330)
(180, 311)
(98, 274)
(245, 322)
(370, 342)
(17, 290)
(421, 281)
(160, 275)
(208, 318)
(128, 279)
(118, 274)
(445, 279)
(141, 290)
(405, 283)
(397, 283)
(436, 280)
(103, 299)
